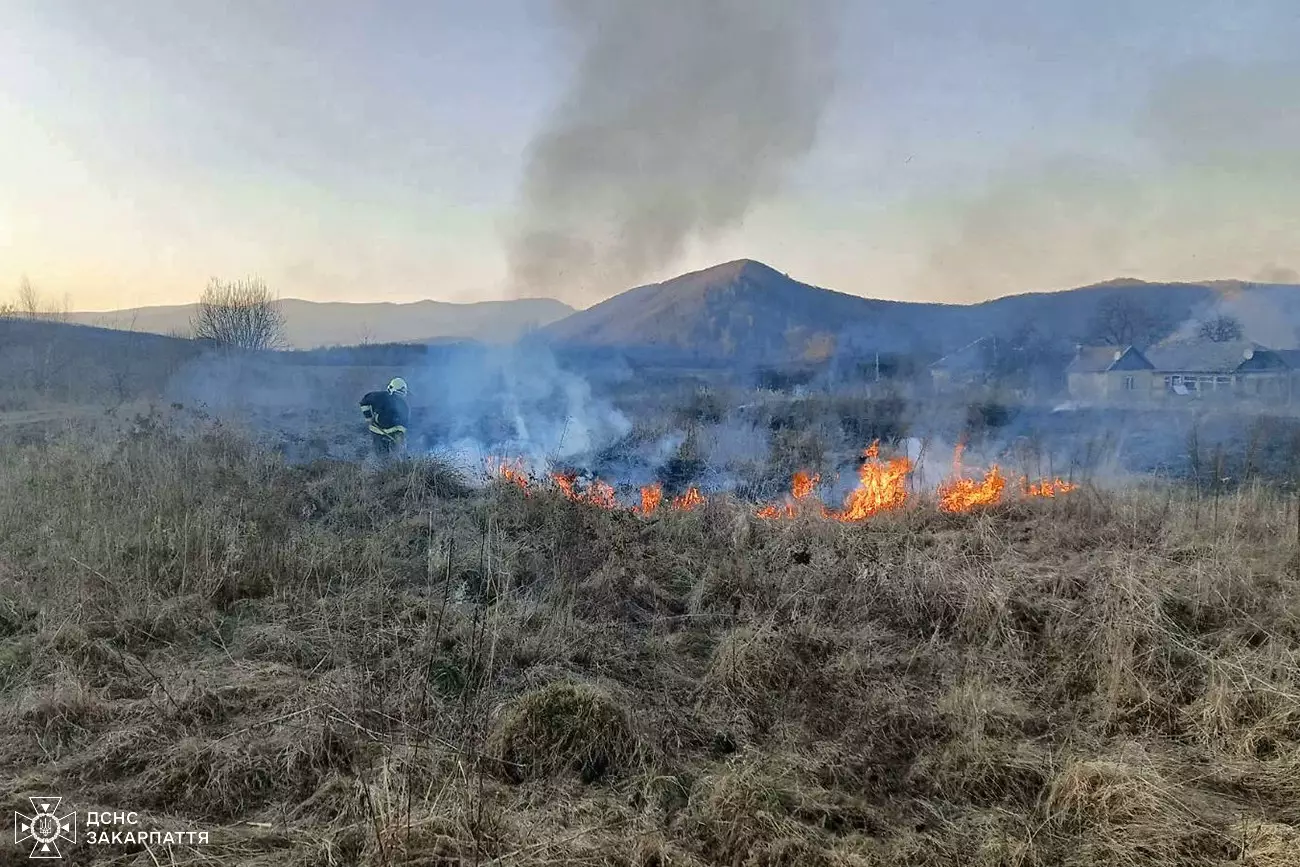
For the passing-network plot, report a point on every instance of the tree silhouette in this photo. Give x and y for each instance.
(241, 314)
(1221, 329)
(1121, 321)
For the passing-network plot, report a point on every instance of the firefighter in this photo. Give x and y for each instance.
(387, 414)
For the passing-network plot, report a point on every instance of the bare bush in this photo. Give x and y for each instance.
(241, 314)
(1121, 321)
(29, 300)
(1221, 329)
(31, 304)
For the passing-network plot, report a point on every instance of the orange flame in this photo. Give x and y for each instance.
(689, 500)
(963, 495)
(801, 487)
(510, 471)
(772, 512)
(598, 493)
(1049, 489)
(566, 483)
(882, 487)
(959, 494)
(601, 494)
(651, 497)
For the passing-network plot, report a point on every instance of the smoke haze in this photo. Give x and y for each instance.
(682, 115)
(1205, 199)
(519, 402)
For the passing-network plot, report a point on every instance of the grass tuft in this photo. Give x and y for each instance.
(563, 728)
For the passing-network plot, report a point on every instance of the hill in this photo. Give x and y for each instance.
(312, 324)
(1269, 313)
(52, 362)
(745, 310)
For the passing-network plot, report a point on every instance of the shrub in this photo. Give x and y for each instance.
(560, 728)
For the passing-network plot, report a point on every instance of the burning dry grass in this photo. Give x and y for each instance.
(883, 486)
(388, 668)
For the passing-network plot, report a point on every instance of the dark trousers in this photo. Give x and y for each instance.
(389, 445)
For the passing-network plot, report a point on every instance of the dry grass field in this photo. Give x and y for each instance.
(329, 664)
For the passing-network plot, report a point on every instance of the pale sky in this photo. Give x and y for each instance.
(372, 151)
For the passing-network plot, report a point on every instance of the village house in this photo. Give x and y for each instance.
(975, 364)
(1174, 373)
(994, 362)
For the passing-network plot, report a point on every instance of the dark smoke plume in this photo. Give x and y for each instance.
(682, 115)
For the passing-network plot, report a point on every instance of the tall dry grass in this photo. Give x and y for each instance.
(329, 665)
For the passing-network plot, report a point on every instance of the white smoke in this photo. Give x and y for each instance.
(519, 403)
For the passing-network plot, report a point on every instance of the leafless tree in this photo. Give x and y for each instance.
(1121, 321)
(29, 300)
(241, 314)
(30, 304)
(1221, 329)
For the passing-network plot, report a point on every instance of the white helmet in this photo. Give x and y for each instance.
(397, 386)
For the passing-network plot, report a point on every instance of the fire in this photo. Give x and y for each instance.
(601, 494)
(774, 511)
(801, 487)
(566, 484)
(1047, 488)
(882, 487)
(598, 493)
(802, 484)
(960, 494)
(963, 495)
(510, 471)
(651, 497)
(689, 500)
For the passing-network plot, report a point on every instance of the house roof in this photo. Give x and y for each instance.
(972, 357)
(1094, 359)
(1289, 357)
(1202, 356)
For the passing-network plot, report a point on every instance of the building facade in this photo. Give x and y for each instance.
(1179, 373)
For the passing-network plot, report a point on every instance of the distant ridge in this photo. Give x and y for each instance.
(313, 324)
(748, 311)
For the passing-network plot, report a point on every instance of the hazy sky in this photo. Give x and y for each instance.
(377, 150)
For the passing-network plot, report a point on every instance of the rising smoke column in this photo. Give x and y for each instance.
(681, 116)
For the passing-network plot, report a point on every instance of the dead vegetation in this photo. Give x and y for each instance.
(327, 665)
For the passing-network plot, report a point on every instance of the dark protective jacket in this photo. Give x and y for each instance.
(385, 412)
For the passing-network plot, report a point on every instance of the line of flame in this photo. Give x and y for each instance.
(882, 487)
